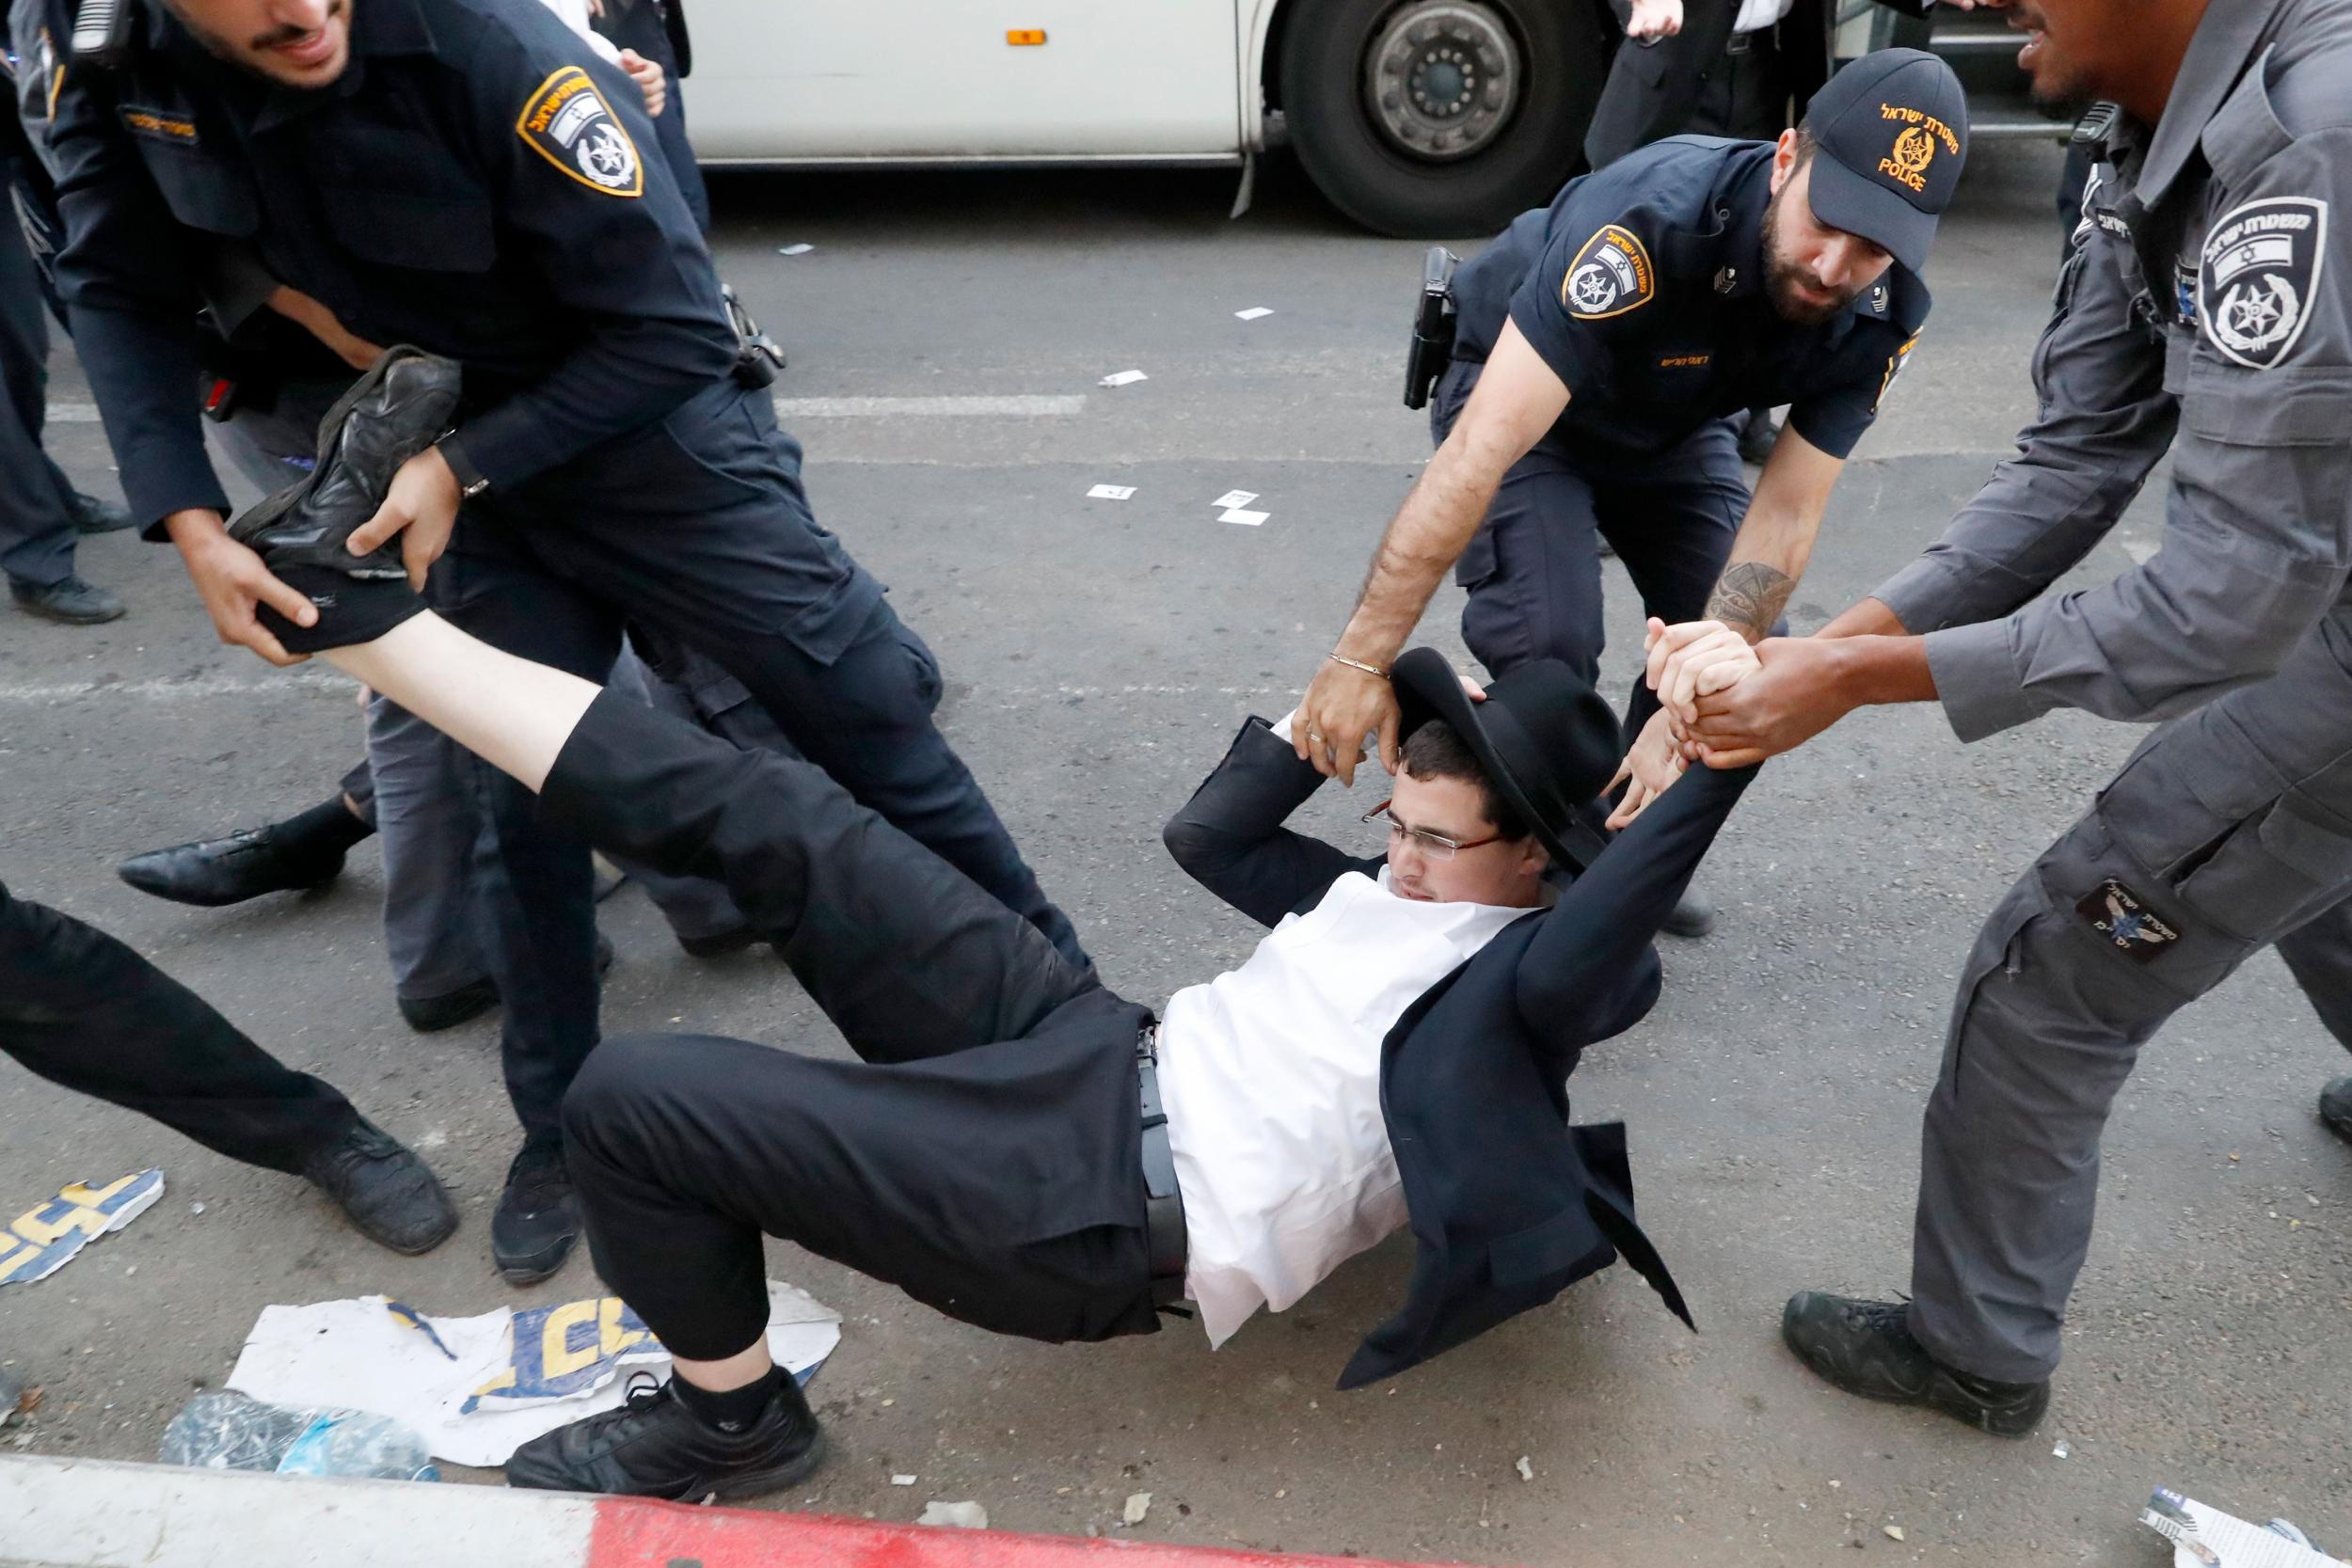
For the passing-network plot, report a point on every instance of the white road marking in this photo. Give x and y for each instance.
(40, 694)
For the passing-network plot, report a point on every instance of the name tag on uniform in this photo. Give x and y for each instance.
(157, 125)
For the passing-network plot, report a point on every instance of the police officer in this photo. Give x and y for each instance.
(2206, 310)
(469, 180)
(1600, 343)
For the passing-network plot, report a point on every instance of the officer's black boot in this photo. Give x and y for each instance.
(1866, 1348)
(389, 1195)
(656, 1447)
(2335, 1108)
(537, 1220)
(1691, 916)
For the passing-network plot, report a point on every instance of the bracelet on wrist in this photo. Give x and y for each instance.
(1358, 664)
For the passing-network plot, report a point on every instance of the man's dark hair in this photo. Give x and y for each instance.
(1437, 751)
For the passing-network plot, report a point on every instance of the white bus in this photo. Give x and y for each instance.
(1414, 116)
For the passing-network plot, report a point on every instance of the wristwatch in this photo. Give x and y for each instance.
(470, 481)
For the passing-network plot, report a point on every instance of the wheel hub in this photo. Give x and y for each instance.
(1441, 78)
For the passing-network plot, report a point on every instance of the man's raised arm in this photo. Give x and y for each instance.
(1518, 398)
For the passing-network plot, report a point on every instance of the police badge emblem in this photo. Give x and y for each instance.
(567, 123)
(2256, 277)
(2116, 913)
(1610, 276)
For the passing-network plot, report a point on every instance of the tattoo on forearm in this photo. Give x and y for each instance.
(1749, 599)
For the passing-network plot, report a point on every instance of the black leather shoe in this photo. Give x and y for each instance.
(1691, 916)
(537, 1219)
(654, 1446)
(216, 871)
(2335, 1108)
(1866, 1348)
(720, 944)
(397, 409)
(389, 1195)
(71, 602)
(429, 1015)
(92, 516)
(1757, 436)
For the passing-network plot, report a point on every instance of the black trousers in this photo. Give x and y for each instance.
(697, 527)
(984, 1156)
(83, 1012)
(1533, 567)
(37, 536)
(638, 25)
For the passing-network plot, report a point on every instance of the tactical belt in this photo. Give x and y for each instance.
(1163, 1205)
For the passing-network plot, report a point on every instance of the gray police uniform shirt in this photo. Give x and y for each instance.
(1641, 286)
(2205, 307)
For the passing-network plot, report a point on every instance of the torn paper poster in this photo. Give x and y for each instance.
(1247, 519)
(477, 1388)
(1252, 313)
(1110, 492)
(1124, 379)
(2204, 1537)
(41, 1240)
(1232, 499)
(794, 249)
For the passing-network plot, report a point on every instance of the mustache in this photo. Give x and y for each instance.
(291, 34)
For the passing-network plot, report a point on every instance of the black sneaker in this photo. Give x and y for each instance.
(654, 1446)
(1866, 1348)
(92, 516)
(69, 602)
(537, 1219)
(429, 1015)
(390, 1196)
(1691, 916)
(2335, 1108)
(720, 944)
(1757, 436)
(213, 872)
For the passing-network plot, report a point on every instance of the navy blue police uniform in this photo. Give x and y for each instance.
(1643, 287)
(472, 184)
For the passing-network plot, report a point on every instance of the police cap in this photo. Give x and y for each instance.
(1893, 134)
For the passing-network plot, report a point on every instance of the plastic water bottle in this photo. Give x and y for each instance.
(222, 1431)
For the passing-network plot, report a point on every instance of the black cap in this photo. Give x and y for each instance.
(1547, 741)
(1893, 129)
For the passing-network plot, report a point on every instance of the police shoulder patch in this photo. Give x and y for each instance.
(1611, 275)
(567, 123)
(2258, 274)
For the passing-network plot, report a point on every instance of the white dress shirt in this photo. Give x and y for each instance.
(1755, 14)
(574, 14)
(1270, 1076)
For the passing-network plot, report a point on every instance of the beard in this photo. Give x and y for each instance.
(243, 55)
(1788, 284)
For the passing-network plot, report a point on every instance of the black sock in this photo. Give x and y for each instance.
(324, 830)
(734, 1411)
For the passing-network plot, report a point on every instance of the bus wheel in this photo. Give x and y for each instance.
(1440, 118)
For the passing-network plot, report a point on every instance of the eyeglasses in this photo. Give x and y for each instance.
(1436, 846)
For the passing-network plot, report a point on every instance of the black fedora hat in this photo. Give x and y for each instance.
(1548, 741)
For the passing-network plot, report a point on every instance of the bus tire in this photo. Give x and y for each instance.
(1440, 117)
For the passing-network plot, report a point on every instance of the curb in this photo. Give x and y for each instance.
(89, 1513)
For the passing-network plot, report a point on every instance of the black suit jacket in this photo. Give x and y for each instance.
(1509, 1205)
(1653, 89)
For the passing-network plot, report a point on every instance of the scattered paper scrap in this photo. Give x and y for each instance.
(1252, 313)
(1110, 492)
(477, 1388)
(2061, 1451)
(904, 1481)
(1232, 499)
(1527, 1471)
(966, 1515)
(1247, 519)
(1123, 378)
(801, 249)
(41, 1240)
(1894, 1532)
(2204, 1537)
(1139, 1504)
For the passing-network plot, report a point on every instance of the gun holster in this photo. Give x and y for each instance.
(1432, 346)
(757, 356)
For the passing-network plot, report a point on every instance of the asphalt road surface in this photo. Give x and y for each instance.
(1100, 655)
